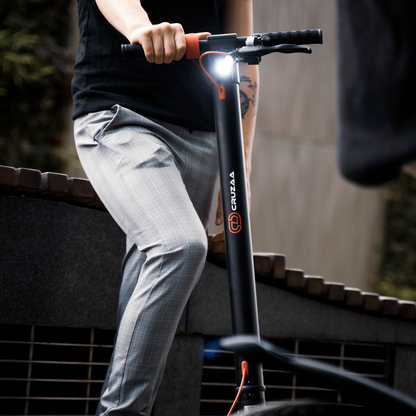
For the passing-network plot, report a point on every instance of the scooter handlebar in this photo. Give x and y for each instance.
(298, 37)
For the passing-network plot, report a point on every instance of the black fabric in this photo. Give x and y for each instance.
(377, 88)
(177, 93)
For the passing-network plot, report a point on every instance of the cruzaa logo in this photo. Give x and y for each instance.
(234, 222)
(232, 192)
(234, 219)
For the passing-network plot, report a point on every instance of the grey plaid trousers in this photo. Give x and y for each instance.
(157, 181)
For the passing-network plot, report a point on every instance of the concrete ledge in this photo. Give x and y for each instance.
(59, 264)
(283, 314)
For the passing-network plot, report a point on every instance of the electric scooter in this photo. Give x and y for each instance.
(226, 52)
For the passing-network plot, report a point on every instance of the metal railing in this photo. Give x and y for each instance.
(50, 370)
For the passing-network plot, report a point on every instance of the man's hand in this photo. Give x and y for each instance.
(162, 43)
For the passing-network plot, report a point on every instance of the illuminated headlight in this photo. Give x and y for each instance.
(224, 66)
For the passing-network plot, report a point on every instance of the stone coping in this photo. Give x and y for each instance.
(269, 267)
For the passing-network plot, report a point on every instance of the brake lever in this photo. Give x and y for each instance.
(252, 54)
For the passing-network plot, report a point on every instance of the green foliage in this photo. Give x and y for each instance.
(397, 275)
(36, 70)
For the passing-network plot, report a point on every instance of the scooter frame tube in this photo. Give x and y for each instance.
(237, 229)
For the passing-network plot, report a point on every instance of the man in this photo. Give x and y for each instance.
(144, 134)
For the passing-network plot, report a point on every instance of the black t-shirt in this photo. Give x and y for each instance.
(178, 93)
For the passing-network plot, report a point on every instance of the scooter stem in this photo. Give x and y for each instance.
(237, 228)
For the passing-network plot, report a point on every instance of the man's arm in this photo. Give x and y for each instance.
(162, 43)
(237, 17)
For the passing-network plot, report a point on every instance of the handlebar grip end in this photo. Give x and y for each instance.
(131, 50)
(320, 36)
(123, 52)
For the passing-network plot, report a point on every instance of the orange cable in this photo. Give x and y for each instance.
(221, 90)
(244, 369)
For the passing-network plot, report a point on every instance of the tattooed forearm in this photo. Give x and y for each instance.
(245, 100)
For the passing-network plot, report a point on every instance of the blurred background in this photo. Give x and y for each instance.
(301, 206)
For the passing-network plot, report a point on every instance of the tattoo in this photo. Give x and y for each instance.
(244, 98)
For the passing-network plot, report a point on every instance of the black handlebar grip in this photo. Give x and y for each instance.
(298, 37)
(132, 50)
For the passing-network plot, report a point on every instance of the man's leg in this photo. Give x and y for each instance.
(130, 271)
(138, 177)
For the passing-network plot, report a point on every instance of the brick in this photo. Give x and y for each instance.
(295, 279)
(353, 297)
(8, 177)
(54, 184)
(315, 285)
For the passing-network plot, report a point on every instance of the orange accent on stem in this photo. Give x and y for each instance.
(244, 370)
(221, 90)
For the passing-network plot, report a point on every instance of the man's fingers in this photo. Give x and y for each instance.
(174, 42)
(218, 215)
(218, 220)
(162, 43)
(180, 43)
(159, 50)
(249, 195)
(147, 44)
(203, 35)
(218, 237)
(169, 50)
